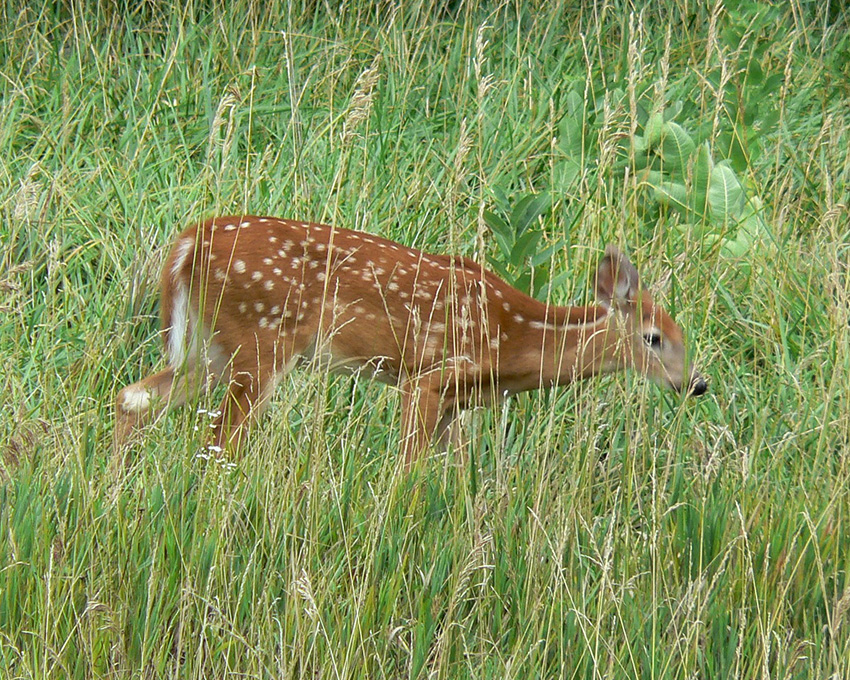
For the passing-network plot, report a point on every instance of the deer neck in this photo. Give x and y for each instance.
(563, 344)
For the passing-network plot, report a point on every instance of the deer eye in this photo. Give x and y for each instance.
(652, 339)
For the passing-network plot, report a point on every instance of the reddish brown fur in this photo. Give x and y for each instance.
(271, 292)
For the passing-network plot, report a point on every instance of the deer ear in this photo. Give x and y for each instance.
(617, 280)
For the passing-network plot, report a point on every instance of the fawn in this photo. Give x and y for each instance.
(245, 298)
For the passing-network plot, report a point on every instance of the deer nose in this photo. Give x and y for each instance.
(698, 385)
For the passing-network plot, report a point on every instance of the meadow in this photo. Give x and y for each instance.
(608, 529)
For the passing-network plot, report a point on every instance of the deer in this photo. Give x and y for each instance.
(244, 299)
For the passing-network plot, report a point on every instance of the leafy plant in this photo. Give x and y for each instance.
(708, 195)
(523, 256)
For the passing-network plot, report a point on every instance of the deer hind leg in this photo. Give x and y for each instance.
(135, 404)
(145, 400)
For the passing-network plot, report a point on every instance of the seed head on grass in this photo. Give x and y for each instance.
(223, 115)
(304, 588)
(361, 100)
(27, 196)
(485, 82)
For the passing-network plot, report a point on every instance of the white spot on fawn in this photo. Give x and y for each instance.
(239, 266)
(259, 307)
(256, 276)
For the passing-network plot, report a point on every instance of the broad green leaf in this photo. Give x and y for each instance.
(554, 283)
(673, 110)
(653, 129)
(575, 105)
(524, 247)
(672, 195)
(755, 74)
(773, 83)
(738, 154)
(653, 177)
(734, 248)
(752, 228)
(676, 147)
(539, 278)
(725, 194)
(502, 201)
(546, 254)
(571, 140)
(497, 224)
(501, 230)
(523, 282)
(567, 174)
(528, 209)
(498, 266)
(702, 176)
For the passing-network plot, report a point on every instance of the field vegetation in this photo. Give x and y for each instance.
(608, 529)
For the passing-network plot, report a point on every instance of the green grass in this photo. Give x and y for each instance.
(605, 530)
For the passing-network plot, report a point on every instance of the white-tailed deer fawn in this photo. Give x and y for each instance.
(246, 298)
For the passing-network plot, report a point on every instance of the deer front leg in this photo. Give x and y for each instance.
(247, 397)
(450, 432)
(428, 408)
(421, 410)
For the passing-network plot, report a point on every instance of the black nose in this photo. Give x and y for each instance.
(698, 386)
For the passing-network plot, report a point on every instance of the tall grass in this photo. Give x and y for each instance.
(608, 529)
